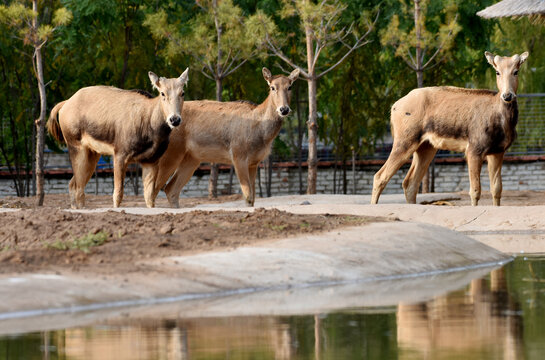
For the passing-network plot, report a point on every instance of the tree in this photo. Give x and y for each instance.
(421, 48)
(321, 24)
(36, 35)
(217, 40)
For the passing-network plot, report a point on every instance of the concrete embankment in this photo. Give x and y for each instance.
(308, 273)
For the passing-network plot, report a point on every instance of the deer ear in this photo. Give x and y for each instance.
(267, 74)
(523, 57)
(184, 78)
(154, 79)
(490, 58)
(294, 75)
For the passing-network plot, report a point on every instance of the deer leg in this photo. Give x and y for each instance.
(149, 174)
(72, 186)
(494, 173)
(243, 174)
(421, 161)
(399, 156)
(120, 168)
(474, 165)
(83, 162)
(253, 173)
(181, 177)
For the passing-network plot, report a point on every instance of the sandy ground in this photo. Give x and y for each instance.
(52, 239)
(40, 239)
(214, 249)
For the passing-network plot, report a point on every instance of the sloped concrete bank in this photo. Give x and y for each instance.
(309, 269)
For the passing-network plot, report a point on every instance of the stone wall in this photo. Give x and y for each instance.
(450, 177)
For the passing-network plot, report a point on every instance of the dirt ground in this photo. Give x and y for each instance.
(50, 239)
(509, 198)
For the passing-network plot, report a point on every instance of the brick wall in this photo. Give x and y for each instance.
(285, 181)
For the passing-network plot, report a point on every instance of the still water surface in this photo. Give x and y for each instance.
(500, 316)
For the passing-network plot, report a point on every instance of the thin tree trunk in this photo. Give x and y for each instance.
(214, 168)
(96, 181)
(213, 181)
(231, 175)
(40, 124)
(312, 135)
(420, 73)
(32, 189)
(335, 173)
(312, 124)
(345, 180)
(299, 140)
(259, 181)
(353, 171)
(269, 176)
(127, 50)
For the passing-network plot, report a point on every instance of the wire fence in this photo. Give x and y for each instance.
(530, 131)
(531, 126)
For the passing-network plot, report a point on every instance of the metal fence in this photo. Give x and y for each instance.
(531, 126)
(530, 131)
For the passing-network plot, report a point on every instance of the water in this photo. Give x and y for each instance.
(499, 316)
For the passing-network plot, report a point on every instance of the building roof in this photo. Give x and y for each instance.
(508, 8)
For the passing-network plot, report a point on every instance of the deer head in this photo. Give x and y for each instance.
(280, 90)
(507, 69)
(172, 96)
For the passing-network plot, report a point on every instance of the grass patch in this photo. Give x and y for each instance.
(83, 243)
(277, 227)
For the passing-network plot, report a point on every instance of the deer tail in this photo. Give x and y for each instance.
(53, 125)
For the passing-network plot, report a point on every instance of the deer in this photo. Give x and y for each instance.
(130, 125)
(238, 133)
(480, 123)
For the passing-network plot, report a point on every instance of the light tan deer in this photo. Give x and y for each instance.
(480, 123)
(131, 125)
(238, 133)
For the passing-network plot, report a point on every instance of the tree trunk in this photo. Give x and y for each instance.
(269, 176)
(420, 72)
(40, 124)
(312, 125)
(312, 134)
(214, 168)
(128, 47)
(213, 181)
(353, 171)
(299, 140)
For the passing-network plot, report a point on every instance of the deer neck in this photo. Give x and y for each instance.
(267, 116)
(155, 114)
(509, 112)
(509, 118)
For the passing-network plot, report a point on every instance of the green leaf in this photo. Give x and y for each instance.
(62, 16)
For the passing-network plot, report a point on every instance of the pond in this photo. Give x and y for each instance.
(498, 316)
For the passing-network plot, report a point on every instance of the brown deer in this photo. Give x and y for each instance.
(238, 133)
(480, 123)
(130, 125)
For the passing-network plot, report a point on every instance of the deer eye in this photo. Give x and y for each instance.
(272, 88)
(289, 88)
(183, 93)
(516, 72)
(498, 73)
(162, 94)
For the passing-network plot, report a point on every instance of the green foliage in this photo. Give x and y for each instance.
(116, 42)
(514, 37)
(433, 33)
(216, 37)
(62, 17)
(83, 243)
